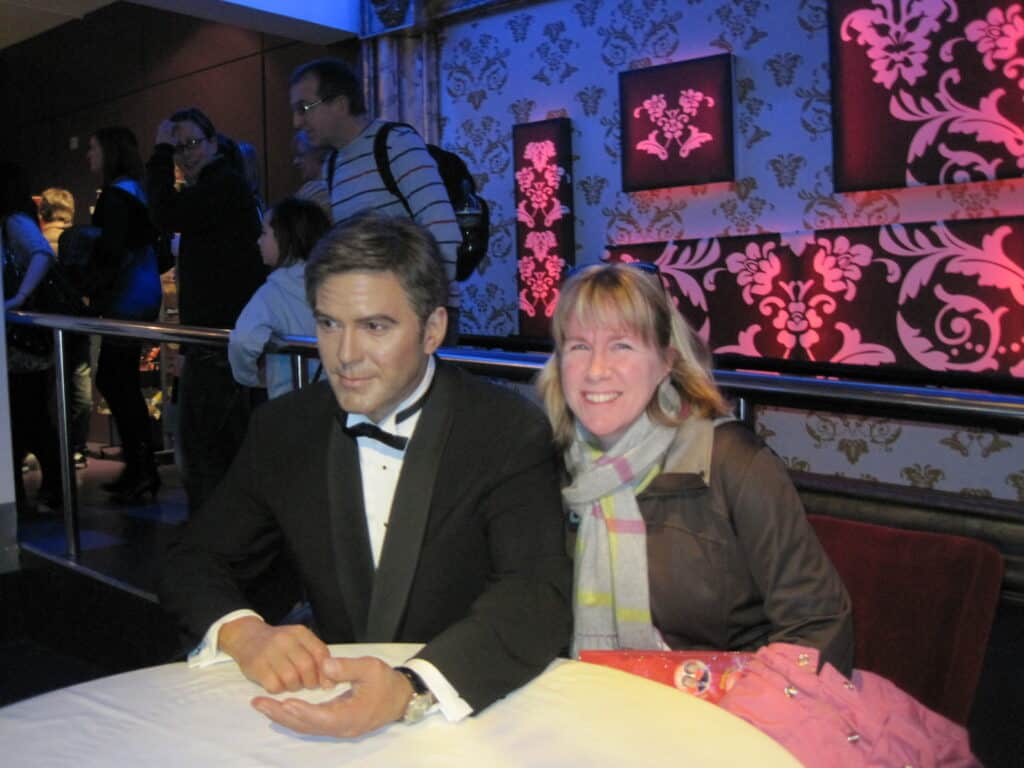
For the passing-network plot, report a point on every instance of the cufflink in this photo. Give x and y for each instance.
(422, 698)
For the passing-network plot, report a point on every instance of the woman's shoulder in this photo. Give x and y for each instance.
(735, 448)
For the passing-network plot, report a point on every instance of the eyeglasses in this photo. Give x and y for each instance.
(188, 145)
(301, 109)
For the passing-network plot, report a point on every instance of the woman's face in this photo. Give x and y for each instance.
(94, 154)
(609, 375)
(268, 242)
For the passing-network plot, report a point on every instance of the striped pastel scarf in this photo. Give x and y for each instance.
(611, 597)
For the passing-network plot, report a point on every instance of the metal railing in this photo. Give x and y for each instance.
(802, 391)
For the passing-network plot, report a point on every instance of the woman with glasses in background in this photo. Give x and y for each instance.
(690, 532)
(218, 269)
(124, 284)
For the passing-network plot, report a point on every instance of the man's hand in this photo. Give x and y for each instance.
(379, 695)
(165, 133)
(278, 658)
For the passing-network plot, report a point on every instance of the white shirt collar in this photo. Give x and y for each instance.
(388, 423)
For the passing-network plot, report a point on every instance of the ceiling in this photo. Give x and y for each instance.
(22, 19)
(313, 21)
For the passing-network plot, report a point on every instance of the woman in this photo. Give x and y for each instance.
(290, 230)
(712, 547)
(218, 270)
(124, 284)
(27, 258)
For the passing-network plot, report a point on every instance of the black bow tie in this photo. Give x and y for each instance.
(366, 429)
(372, 431)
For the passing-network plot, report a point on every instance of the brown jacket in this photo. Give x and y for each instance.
(733, 563)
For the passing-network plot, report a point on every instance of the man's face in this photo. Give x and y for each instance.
(192, 150)
(371, 342)
(321, 122)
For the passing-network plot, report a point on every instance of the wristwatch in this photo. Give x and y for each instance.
(422, 699)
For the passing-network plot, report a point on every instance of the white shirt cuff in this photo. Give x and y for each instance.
(206, 653)
(452, 706)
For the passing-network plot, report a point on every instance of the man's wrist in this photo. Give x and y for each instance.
(421, 699)
(232, 632)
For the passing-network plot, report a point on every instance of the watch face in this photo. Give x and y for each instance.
(418, 706)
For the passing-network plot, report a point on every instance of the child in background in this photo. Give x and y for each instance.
(290, 230)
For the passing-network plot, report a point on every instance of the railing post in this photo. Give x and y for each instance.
(69, 486)
(745, 411)
(300, 371)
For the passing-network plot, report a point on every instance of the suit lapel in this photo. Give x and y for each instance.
(350, 541)
(409, 511)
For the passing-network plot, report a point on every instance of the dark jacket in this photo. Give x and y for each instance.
(733, 563)
(219, 265)
(123, 281)
(473, 563)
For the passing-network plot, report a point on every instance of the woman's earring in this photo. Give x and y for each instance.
(668, 397)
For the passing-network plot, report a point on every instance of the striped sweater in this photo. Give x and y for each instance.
(358, 186)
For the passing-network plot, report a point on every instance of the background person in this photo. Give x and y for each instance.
(218, 270)
(712, 546)
(290, 230)
(419, 503)
(124, 285)
(56, 215)
(327, 103)
(27, 258)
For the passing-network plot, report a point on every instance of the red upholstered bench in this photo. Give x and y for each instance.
(923, 606)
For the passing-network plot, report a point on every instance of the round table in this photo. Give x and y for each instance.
(575, 714)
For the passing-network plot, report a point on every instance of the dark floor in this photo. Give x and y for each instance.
(121, 542)
(57, 631)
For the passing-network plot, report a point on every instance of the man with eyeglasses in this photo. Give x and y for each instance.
(218, 270)
(327, 103)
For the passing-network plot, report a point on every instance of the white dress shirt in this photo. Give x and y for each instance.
(379, 465)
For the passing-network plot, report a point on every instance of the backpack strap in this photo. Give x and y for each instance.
(332, 161)
(383, 160)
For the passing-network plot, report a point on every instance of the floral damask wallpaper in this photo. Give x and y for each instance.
(541, 60)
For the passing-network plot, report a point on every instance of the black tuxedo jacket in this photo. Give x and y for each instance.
(473, 563)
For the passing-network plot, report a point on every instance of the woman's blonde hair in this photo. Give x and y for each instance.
(624, 297)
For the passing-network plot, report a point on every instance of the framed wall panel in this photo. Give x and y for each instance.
(942, 298)
(545, 237)
(676, 124)
(926, 93)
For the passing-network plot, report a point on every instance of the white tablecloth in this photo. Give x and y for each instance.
(575, 714)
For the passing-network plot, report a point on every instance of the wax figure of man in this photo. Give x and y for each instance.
(453, 539)
(327, 103)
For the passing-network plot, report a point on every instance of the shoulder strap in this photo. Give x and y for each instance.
(383, 160)
(332, 161)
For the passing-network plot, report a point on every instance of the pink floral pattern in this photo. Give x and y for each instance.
(956, 290)
(755, 269)
(539, 215)
(934, 57)
(839, 263)
(673, 123)
(540, 273)
(896, 34)
(998, 38)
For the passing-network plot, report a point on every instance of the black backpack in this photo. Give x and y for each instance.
(471, 210)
